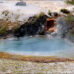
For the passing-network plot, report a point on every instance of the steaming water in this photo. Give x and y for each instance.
(38, 46)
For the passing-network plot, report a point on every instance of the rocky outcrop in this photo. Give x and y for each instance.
(65, 28)
(34, 26)
(62, 27)
(50, 25)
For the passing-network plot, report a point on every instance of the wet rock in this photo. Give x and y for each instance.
(62, 27)
(65, 29)
(34, 26)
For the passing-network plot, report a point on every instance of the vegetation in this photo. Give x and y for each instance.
(36, 17)
(7, 27)
(40, 15)
(6, 12)
(3, 30)
(71, 32)
(65, 11)
(49, 13)
(70, 2)
(69, 18)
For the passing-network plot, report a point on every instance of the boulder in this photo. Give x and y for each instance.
(20, 4)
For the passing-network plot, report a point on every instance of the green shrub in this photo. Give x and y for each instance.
(49, 13)
(40, 15)
(65, 11)
(70, 2)
(69, 18)
(6, 12)
(3, 30)
(71, 32)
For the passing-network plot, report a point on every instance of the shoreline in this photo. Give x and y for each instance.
(37, 59)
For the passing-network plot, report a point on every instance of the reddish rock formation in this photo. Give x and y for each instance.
(50, 25)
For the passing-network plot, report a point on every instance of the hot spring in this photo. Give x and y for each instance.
(38, 46)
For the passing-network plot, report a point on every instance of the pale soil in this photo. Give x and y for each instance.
(34, 7)
(54, 5)
(20, 67)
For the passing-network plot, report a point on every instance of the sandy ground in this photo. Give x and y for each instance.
(33, 7)
(21, 13)
(20, 67)
(52, 5)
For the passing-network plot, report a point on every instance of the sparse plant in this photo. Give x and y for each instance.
(70, 2)
(41, 14)
(49, 13)
(69, 18)
(38, 16)
(71, 32)
(6, 12)
(3, 30)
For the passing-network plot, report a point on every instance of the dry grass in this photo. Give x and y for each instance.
(9, 24)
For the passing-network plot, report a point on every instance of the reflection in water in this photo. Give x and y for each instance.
(37, 46)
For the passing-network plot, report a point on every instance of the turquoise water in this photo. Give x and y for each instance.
(39, 46)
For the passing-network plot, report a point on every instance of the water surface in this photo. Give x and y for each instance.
(38, 46)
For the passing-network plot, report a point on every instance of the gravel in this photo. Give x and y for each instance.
(21, 67)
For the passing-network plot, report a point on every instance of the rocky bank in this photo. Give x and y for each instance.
(34, 26)
(65, 27)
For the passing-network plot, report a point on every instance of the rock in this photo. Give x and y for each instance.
(65, 11)
(55, 14)
(65, 29)
(62, 27)
(50, 25)
(20, 4)
(34, 26)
